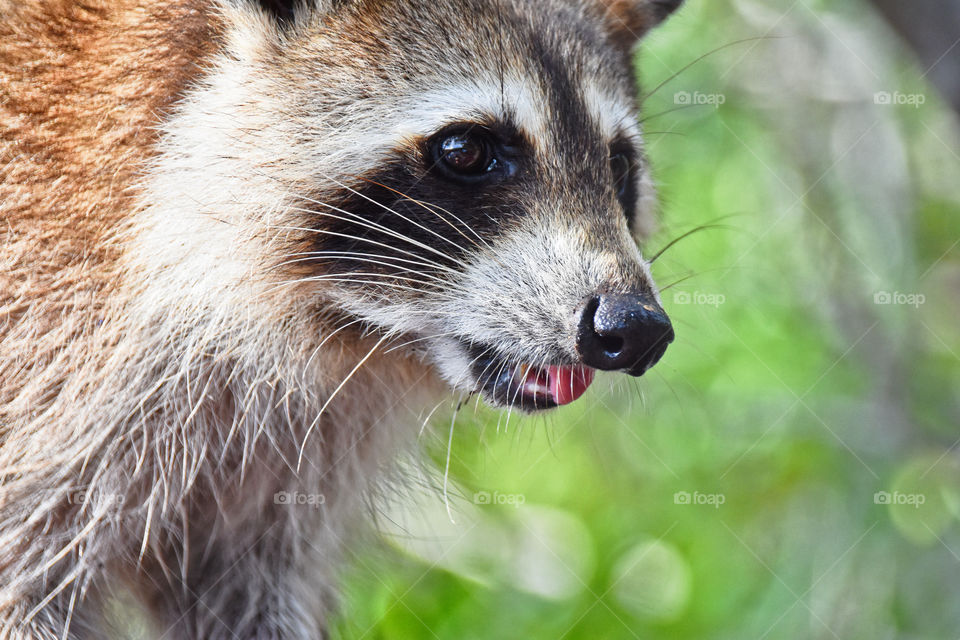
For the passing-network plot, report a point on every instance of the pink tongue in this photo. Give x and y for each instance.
(568, 383)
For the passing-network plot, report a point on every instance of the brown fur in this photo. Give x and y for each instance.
(76, 126)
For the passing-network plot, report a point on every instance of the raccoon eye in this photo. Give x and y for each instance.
(466, 154)
(622, 168)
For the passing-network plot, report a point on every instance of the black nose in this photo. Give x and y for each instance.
(622, 331)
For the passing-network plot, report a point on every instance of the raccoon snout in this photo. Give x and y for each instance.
(623, 331)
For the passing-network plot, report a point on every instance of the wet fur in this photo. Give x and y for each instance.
(172, 348)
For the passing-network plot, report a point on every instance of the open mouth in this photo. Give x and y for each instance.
(529, 387)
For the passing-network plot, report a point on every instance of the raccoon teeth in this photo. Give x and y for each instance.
(536, 382)
(559, 385)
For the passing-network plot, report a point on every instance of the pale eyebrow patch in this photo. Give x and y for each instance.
(515, 100)
(379, 129)
(615, 116)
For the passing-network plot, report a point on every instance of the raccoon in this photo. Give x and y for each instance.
(247, 245)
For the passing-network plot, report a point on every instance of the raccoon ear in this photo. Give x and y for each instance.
(282, 10)
(630, 20)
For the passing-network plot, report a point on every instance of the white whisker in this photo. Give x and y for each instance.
(336, 392)
(400, 215)
(446, 470)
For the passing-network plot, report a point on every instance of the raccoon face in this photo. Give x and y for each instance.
(464, 177)
(488, 187)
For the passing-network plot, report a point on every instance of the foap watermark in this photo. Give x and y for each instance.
(84, 498)
(700, 298)
(898, 98)
(696, 498)
(910, 499)
(897, 298)
(297, 499)
(698, 98)
(511, 499)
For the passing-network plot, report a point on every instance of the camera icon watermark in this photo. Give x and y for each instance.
(896, 498)
(897, 298)
(697, 499)
(699, 298)
(897, 98)
(298, 499)
(512, 499)
(698, 98)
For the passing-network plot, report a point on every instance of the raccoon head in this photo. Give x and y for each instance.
(467, 177)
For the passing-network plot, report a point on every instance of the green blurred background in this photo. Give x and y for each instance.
(790, 470)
